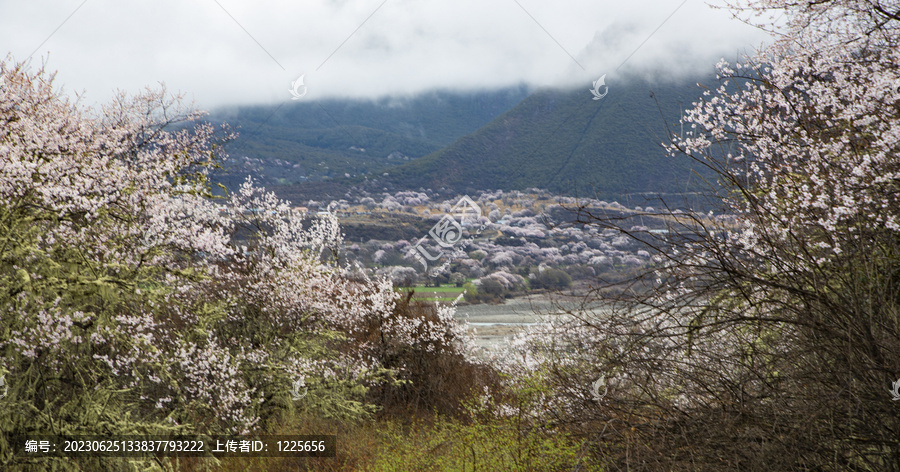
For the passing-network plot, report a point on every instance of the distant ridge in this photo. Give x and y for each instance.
(563, 139)
(302, 141)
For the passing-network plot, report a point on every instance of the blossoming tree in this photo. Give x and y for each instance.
(766, 337)
(133, 301)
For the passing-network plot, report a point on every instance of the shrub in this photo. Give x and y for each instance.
(551, 278)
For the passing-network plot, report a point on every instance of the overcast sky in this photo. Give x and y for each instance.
(223, 52)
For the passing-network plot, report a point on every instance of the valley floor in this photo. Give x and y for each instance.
(495, 325)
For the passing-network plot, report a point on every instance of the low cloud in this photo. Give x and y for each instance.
(362, 48)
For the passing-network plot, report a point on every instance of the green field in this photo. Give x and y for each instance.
(444, 293)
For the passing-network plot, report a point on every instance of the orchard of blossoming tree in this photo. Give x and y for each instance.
(762, 336)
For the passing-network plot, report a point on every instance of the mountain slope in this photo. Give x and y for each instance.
(558, 140)
(301, 141)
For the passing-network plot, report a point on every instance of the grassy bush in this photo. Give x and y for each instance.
(496, 445)
(433, 376)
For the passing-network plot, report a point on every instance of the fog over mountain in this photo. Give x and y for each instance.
(228, 52)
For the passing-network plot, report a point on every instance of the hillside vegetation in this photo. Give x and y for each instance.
(302, 141)
(561, 140)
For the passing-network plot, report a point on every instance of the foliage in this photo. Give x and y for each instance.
(499, 432)
(551, 278)
(435, 365)
(494, 287)
(504, 428)
(495, 445)
(133, 302)
(769, 338)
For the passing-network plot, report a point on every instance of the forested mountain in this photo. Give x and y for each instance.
(560, 140)
(557, 139)
(299, 141)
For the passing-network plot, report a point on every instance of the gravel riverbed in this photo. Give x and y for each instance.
(494, 324)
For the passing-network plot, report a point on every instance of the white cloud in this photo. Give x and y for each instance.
(405, 47)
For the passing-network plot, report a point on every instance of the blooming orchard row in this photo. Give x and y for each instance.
(524, 234)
